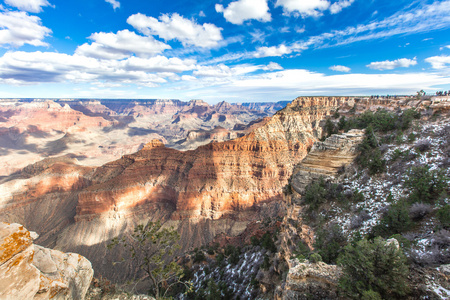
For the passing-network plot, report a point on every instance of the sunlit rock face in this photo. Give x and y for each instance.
(214, 180)
(326, 158)
(29, 271)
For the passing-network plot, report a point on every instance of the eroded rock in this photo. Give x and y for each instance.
(29, 271)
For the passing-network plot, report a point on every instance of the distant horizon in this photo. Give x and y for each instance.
(186, 101)
(257, 50)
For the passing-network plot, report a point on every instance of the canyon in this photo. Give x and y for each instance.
(97, 131)
(218, 188)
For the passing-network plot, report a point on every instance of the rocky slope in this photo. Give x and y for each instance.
(29, 271)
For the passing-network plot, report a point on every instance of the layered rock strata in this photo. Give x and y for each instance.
(311, 281)
(29, 271)
(326, 158)
(216, 179)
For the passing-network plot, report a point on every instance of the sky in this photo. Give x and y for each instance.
(222, 50)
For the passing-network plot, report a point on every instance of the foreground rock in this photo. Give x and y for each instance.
(29, 271)
(311, 281)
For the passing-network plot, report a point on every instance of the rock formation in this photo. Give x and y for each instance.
(29, 271)
(311, 281)
(326, 158)
(100, 131)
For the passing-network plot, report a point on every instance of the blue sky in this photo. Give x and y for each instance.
(237, 51)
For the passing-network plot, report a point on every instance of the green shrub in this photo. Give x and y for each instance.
(443, 215)
(199, 256)
(233, 254)
(329, 243)
(371, 295)
(369, 155)
(315, 193)
(315, 258)
(395, 221)
(267, 242)
(426, 185)
(372, 267)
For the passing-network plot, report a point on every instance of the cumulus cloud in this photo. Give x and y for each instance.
(438, 62)
(242, 10)
(338, 6)
(309, 8)
(19, 28)
(339, 68)
(392, 64)
(175, 27)
(272, 51)
(50, 67)
(115, 4)
(120, 45)
(33, 6)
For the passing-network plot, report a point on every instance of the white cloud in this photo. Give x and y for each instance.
(242, 10)
(272, 66)
(223, 71)
(392, 64)
(120, 45)
(438, 62)
(19, 28)
(272, 51)
(338, 6)
(309, 8)
(339, 68)
(424, 18)
(33, 6)
(175, 27)
(115, 4)
(46, 67)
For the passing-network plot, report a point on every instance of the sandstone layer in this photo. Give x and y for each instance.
(29, 271)
(326, 158)
(311, 281)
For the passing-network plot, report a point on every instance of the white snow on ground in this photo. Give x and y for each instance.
(377, 189)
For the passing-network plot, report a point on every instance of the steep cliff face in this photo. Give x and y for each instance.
(216, 179)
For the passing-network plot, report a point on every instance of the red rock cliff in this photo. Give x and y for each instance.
(216, 179)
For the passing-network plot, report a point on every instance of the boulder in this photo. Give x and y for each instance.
(29, 271)
(311, 281)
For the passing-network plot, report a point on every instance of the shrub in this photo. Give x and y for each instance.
(369, 155)
(315, 193)
(199, 256)
(233, 254)
(315, 258)
(371, 295)
(443, 215)
(267, 242)
(396, 220)
(419, 210)
(371, 268)
(425, 185)
(329, 128)
(330, 241)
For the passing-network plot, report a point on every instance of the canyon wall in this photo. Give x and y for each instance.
(217, 188)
